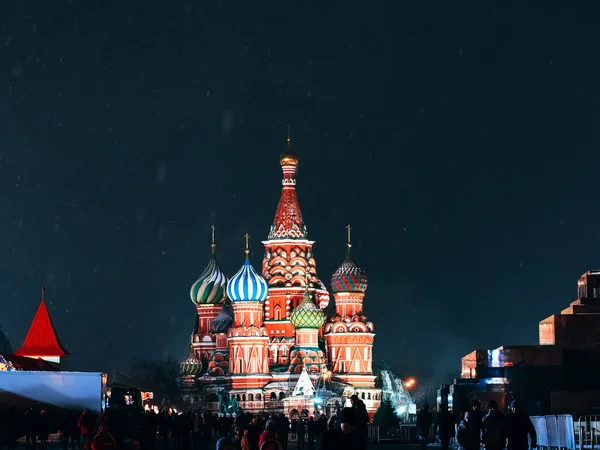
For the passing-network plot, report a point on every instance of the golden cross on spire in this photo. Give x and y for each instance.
(247, 236)
(349, 243)
(212, 239)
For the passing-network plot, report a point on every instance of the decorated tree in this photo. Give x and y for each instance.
(385, 415)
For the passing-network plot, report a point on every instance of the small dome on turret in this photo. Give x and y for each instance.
(307, 314)
(349, 277)
(191, 366)
(223, 321)
(247, 285)
(288, 157)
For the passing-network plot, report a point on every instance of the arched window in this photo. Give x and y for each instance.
(238, 398)
(243, 397)
(273, 354)
(250, 397)
(273, 396)
(363, 395)
(277, 314)
(281, 396)
(369, 396)
(258, 397)
(283, 351)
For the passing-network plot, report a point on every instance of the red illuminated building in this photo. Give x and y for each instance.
(257, 333)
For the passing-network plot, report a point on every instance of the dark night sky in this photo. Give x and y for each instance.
(460, 141)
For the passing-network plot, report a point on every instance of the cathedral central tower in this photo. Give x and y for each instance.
(288, 263)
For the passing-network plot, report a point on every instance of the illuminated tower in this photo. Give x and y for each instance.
(307, 319)
(348, 335)
(207, 293)
(248, 339)
(288, 263)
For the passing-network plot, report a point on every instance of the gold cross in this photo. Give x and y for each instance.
(212, 238)
(349, 242)
(247, 236)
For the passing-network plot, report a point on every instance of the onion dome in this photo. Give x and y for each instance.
(349, 277)
(223, 321)
(191, 366)
(209, 288)
(307, 314)
(247, 285)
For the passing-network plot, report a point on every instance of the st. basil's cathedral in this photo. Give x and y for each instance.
(257, 337)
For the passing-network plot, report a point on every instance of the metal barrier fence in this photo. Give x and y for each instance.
(555, 432)
(586, 431)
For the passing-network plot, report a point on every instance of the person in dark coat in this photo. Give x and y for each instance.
(519, 429)
(344, 438)
(467, 435)
(424, 421)
(494, 428)
(444, 426)
(362, 419)
(476, 417)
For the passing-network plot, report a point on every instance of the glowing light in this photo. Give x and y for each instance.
(410, 383)
(401, 409)
(318, 401)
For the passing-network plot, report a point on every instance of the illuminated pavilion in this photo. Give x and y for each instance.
(257, 333)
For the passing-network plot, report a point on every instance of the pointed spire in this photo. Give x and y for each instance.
(42, 339)
(288, 223)
(247, 251)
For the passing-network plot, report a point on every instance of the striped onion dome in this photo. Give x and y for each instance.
(190, 367)
(307, 314)
(246, 285)
(209, 288)
(223, 321)
(349, 277)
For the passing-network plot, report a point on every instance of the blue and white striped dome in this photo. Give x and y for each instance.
(247, 285)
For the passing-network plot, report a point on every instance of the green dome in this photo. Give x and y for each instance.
(307, 314)
(210, 287)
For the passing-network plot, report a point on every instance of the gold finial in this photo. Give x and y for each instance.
(349, 243)
(288, 157)
(212, 239)
(247, 236)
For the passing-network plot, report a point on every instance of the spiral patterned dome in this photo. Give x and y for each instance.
(307, 314)
(223, 321)
(247, 286)
(209, 288)
(190, 367)
(349, 278)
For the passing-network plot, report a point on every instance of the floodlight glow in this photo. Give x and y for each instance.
(318, 400)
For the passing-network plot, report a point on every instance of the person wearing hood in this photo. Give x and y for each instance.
(519, 429)
(494, 428)
(467, 433)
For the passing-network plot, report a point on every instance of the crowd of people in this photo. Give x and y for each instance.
(474, 429)
(121, 428)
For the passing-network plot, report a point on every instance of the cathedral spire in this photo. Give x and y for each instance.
(288, 223)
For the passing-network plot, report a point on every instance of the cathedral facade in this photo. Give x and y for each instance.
(257, 333)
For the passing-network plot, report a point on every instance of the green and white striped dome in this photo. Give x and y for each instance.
(209, 288)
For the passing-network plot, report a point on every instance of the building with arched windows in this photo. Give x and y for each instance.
(256, 333)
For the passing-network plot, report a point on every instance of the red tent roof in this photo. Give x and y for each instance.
(42, 339)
